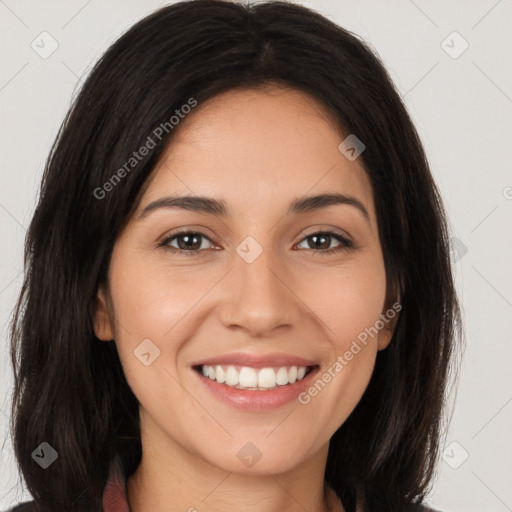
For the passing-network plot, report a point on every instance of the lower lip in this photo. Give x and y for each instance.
(257, 400)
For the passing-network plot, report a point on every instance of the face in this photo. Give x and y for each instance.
(251, 288)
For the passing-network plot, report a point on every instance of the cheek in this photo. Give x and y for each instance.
(349, 300)
(156, 310)
(151, 300)
(350, 314)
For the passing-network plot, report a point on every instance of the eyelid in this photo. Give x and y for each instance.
(189, 230)
(327, 229)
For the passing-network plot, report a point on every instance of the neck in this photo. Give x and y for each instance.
(175, 476)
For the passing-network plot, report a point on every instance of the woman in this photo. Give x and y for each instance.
(170, 347)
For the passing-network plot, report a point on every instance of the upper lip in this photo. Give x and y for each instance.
(256, 361)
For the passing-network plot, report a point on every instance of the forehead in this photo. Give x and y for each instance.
(258, 147)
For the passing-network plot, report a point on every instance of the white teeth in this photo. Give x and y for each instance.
(266, 378)
(282, 377)
(232, 377)
(250, 378)
(220, 375)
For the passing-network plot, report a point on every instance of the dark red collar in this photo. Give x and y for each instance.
(115, 498)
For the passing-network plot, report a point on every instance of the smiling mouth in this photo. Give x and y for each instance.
(254, 379)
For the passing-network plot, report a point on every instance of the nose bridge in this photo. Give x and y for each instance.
(260, 300)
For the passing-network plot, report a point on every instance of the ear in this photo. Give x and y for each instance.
(384, 337)
(390, 319)
(102, 317)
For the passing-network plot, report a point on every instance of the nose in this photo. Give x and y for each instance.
(260, 298)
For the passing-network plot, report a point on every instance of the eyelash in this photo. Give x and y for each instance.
(345, 243)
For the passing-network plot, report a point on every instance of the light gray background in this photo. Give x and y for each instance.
(462, 108)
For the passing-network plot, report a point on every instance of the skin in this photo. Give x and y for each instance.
(257, 149)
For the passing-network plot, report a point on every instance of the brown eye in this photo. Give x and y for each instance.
(187, 242)
(323, 239)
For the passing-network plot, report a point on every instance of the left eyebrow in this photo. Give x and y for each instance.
(312, 203)
(218, 207)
